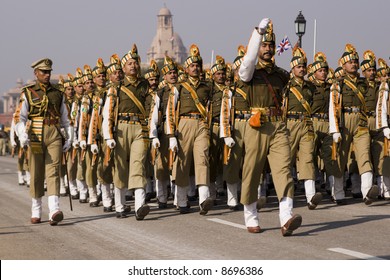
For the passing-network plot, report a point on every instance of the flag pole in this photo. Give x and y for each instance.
(212, 58)
(315, 38)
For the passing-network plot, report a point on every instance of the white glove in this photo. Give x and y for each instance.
(94, 149)
(111, 143)
(76, 144)
(336, 137)
(386, 132)
(67, 145)
(83, 144)
(263, 25)
(229, 141)
(23, 138)
(173, 144)
(155, 143)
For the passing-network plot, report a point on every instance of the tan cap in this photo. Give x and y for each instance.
(43, 64)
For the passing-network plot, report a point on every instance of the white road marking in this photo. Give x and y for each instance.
(227, 223)
(354, 254)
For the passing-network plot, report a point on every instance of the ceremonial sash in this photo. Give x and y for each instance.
(134, 99)
(358, 94)
(36, 135)
(302, 100)
(194, 96)
(241, 92)
(36, 125)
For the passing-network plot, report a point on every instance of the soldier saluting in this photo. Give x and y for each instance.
(266, 134)
(44, 105)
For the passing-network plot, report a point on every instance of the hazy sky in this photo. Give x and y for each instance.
(76, 32)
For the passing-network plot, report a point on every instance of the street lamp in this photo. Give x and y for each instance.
(300, 27)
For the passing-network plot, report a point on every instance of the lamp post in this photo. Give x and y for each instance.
(300, 27)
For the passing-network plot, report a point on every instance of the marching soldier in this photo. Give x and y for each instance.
(70, 171)
(125, 131)
(77, 186)
(190, 138)
(235, 112)
(348, 124)
(104, 176)
(219, 89)
(383, 131)
(266, 134)
(158, 128)
(44, 105)
(86, 164)
(320, 114)
(152, 75)
(23, 173)
(297, 104)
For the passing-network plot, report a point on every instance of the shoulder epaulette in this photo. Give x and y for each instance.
(27, 86)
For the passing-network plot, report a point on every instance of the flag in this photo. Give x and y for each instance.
(283, 46)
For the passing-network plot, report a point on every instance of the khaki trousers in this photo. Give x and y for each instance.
(72, 166)
(104, 174)
(321, 131)
(81, 166)
(271, 142)
(193, 141)
(302, 140)
(130, 156)
(161, 163)
(360, 137)
(46, 165)
(216, 153)
(90, 171)
(231, 171)
(381, 164)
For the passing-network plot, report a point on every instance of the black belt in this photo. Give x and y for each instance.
(242, 116)
(321, 116)
(129, 118)
(351, 110)
(298, 116)
(371, 114)
(192, 116)
(215, 120)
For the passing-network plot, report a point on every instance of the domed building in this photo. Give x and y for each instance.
(166, 41)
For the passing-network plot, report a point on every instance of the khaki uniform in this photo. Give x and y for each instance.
(270, 139)
(300, 126)
(193, 138)
(353, 127)
(45, 107)
(86, 173)
(95, 136)
(157, 125)
(73, 153)
(124, 122)
(231, 171)
(320, 116)
(216, 143)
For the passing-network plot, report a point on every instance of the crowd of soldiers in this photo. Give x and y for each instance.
(108, 130)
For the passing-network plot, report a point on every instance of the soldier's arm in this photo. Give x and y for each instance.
(381, 106)
(93, 123)
(171, 111)
(65, 120)
(248, 65)
(83, 122)
(224, 120)
(21, 114)
(74, 117)
(153, 122)
(109, 114)
(333, 108)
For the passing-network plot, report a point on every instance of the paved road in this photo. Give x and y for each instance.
(331, 232)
